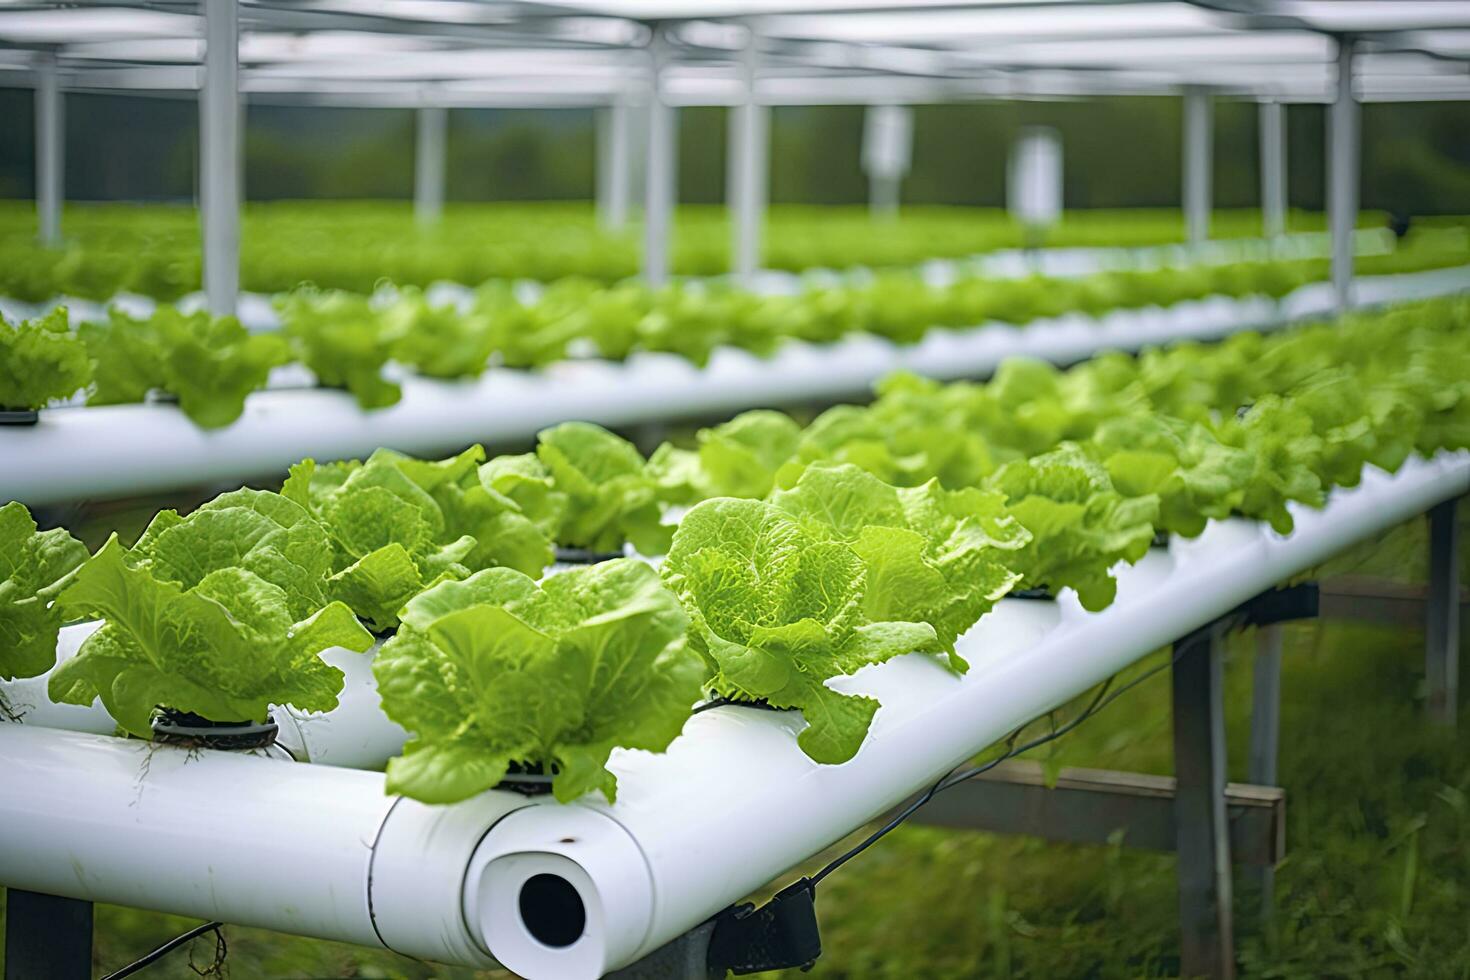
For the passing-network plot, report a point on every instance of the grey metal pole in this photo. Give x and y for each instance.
(50, 149)
(1198, 163)
(661, 168)
(1265, 739)
(748, 168)
(1442, 629)
(219, 156)
(614, 171)
(430, 161)
(1342, 174)
(1273, 168)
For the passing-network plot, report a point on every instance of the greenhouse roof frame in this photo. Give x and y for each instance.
(594, 52)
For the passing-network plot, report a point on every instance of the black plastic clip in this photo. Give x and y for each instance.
(781, 934)
(1282, 605)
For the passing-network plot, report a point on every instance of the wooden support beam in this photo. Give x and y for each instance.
(1087, 806)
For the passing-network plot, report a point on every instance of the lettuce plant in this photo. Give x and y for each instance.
(777, 608)
(34, 567)
(1080, 525)
(498, 670)
(1285, 453)
(439, 341)
(220, 613)
(598, 485)
(341, 338)
(40, 360)
(738, 458)
(399, 525)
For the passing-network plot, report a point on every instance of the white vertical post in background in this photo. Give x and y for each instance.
(1199, 132)
(219, 156)
(748, 167)
(50, 149)
(1034, 181)
(1273, 168)
(1342, 174)
(614, 170)
(661, 167)
(888, 148)
(429, 163)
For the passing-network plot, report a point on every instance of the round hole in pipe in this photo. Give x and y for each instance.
(552, 910)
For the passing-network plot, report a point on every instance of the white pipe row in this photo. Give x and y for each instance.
(320, 851)
(110, 451)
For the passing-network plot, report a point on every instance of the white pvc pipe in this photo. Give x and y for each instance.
(1342, 174)
(705, 815)
(1199, 122)
(662, 168)
(130, 449)
(747, 176)
(219, 155)
(430, 163)
(614, 164)
(356, 734)
(1273, 168)
(50, 149)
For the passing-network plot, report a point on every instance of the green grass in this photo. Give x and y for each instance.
(1376, 882)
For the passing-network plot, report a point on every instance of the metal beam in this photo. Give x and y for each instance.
(1198, 163)
(50, 149)
(661, 189)
(748, 155)
(1089, 806)
(614, 164)
(1202, 827)
(1273, 168)
(219, 157)
(1265, 739)
(1442, 626)
(1342, 174)
(430, 163)
(47, 936)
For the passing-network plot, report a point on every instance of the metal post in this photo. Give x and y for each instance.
(50, 149)
(614, 171)
(1442, 629)
(888, 145)
(430, 162)
(1342, 175)
(748, 167)
(1202, 830)
(661, 189)
(47, 936)
(1266, 737)
(219, 157)
(1198, 163)
(1273, 168)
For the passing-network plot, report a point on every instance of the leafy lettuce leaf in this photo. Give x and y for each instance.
(498, 669)
(341, 338)
(739, 458)
(776, 609)
(611, 497)
(34, 567)
(40, 360)
(1080, 525)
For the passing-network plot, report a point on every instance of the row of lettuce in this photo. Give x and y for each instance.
(210, 364)
(791, 555)
(154, 250)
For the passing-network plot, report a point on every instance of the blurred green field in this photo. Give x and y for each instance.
(153, 249)
(1376, 882)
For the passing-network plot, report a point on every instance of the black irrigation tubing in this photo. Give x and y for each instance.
(956, 776)
(149, 958)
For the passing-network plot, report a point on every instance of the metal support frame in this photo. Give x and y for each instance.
(430, 163)
(1202, 828)
(1442, 614)
(219, 157)
(888, 143)
(614, 164)
(47, 936)
(50, 149)
(1273, 168)
(749, 164)
(662, 166)
(1343, 139)
(1198, 163)
(1265, 738)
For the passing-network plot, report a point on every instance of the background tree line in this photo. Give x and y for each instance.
(1121, 152)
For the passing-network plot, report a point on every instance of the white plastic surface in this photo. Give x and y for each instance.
(125, 449)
